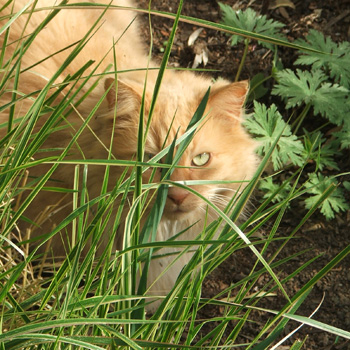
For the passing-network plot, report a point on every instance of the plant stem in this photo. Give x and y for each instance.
(297, 123)
(245, 52)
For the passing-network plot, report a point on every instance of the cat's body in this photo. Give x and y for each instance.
(230, 151)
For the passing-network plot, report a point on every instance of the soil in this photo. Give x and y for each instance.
(318, 237)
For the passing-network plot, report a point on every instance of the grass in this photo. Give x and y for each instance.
(95, 302)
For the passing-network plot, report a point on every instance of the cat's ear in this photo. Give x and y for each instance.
(127, 98)
(230, 98)
(111, 95)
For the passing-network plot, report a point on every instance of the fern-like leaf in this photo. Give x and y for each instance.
(276, 192)
(250, 21)
(344, 137)
(319, 151)
(334, 203)
(303, 87)
(335, 60)
(267, 124)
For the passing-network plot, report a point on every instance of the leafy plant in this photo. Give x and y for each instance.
(267, 125)
(333, 57)
(332, 60)
(334, 203)
(274, 190)
(311, 89)
(321, 92)
(321, 151)
(250, 22)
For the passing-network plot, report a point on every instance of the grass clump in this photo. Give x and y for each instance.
(98, 301)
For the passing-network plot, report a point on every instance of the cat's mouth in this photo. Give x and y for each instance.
(177, 212)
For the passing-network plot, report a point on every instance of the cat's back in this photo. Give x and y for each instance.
(61, 35)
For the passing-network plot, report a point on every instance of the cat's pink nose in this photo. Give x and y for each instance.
(177, 195)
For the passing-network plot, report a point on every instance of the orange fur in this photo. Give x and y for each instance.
(231, 149)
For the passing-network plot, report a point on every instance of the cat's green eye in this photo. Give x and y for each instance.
(201, 159)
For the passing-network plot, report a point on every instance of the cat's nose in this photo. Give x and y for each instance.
(177, 195)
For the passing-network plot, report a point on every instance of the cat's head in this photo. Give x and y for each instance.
(221, 149)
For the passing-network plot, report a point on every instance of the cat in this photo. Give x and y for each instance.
(220, 150)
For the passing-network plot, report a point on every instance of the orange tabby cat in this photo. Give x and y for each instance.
(220, 150)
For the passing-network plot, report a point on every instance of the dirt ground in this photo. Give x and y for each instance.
(318, 236)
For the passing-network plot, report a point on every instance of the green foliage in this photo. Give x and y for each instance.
(312, 88)
(267, 125)
(321, 151)
(333, 57)
(344, 137)
(334, 203)
(322, 91)
(298, 344)
(250, 21)
(274, 190)
(346, 185)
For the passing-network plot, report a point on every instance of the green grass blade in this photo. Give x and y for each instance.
(14, 17)
(205, 24)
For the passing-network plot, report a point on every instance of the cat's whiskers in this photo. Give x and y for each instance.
(219, 199)
(220, 202)
(208, 211)
(227, 189)
(213, 194)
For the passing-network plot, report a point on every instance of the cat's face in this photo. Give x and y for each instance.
(220, 150)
